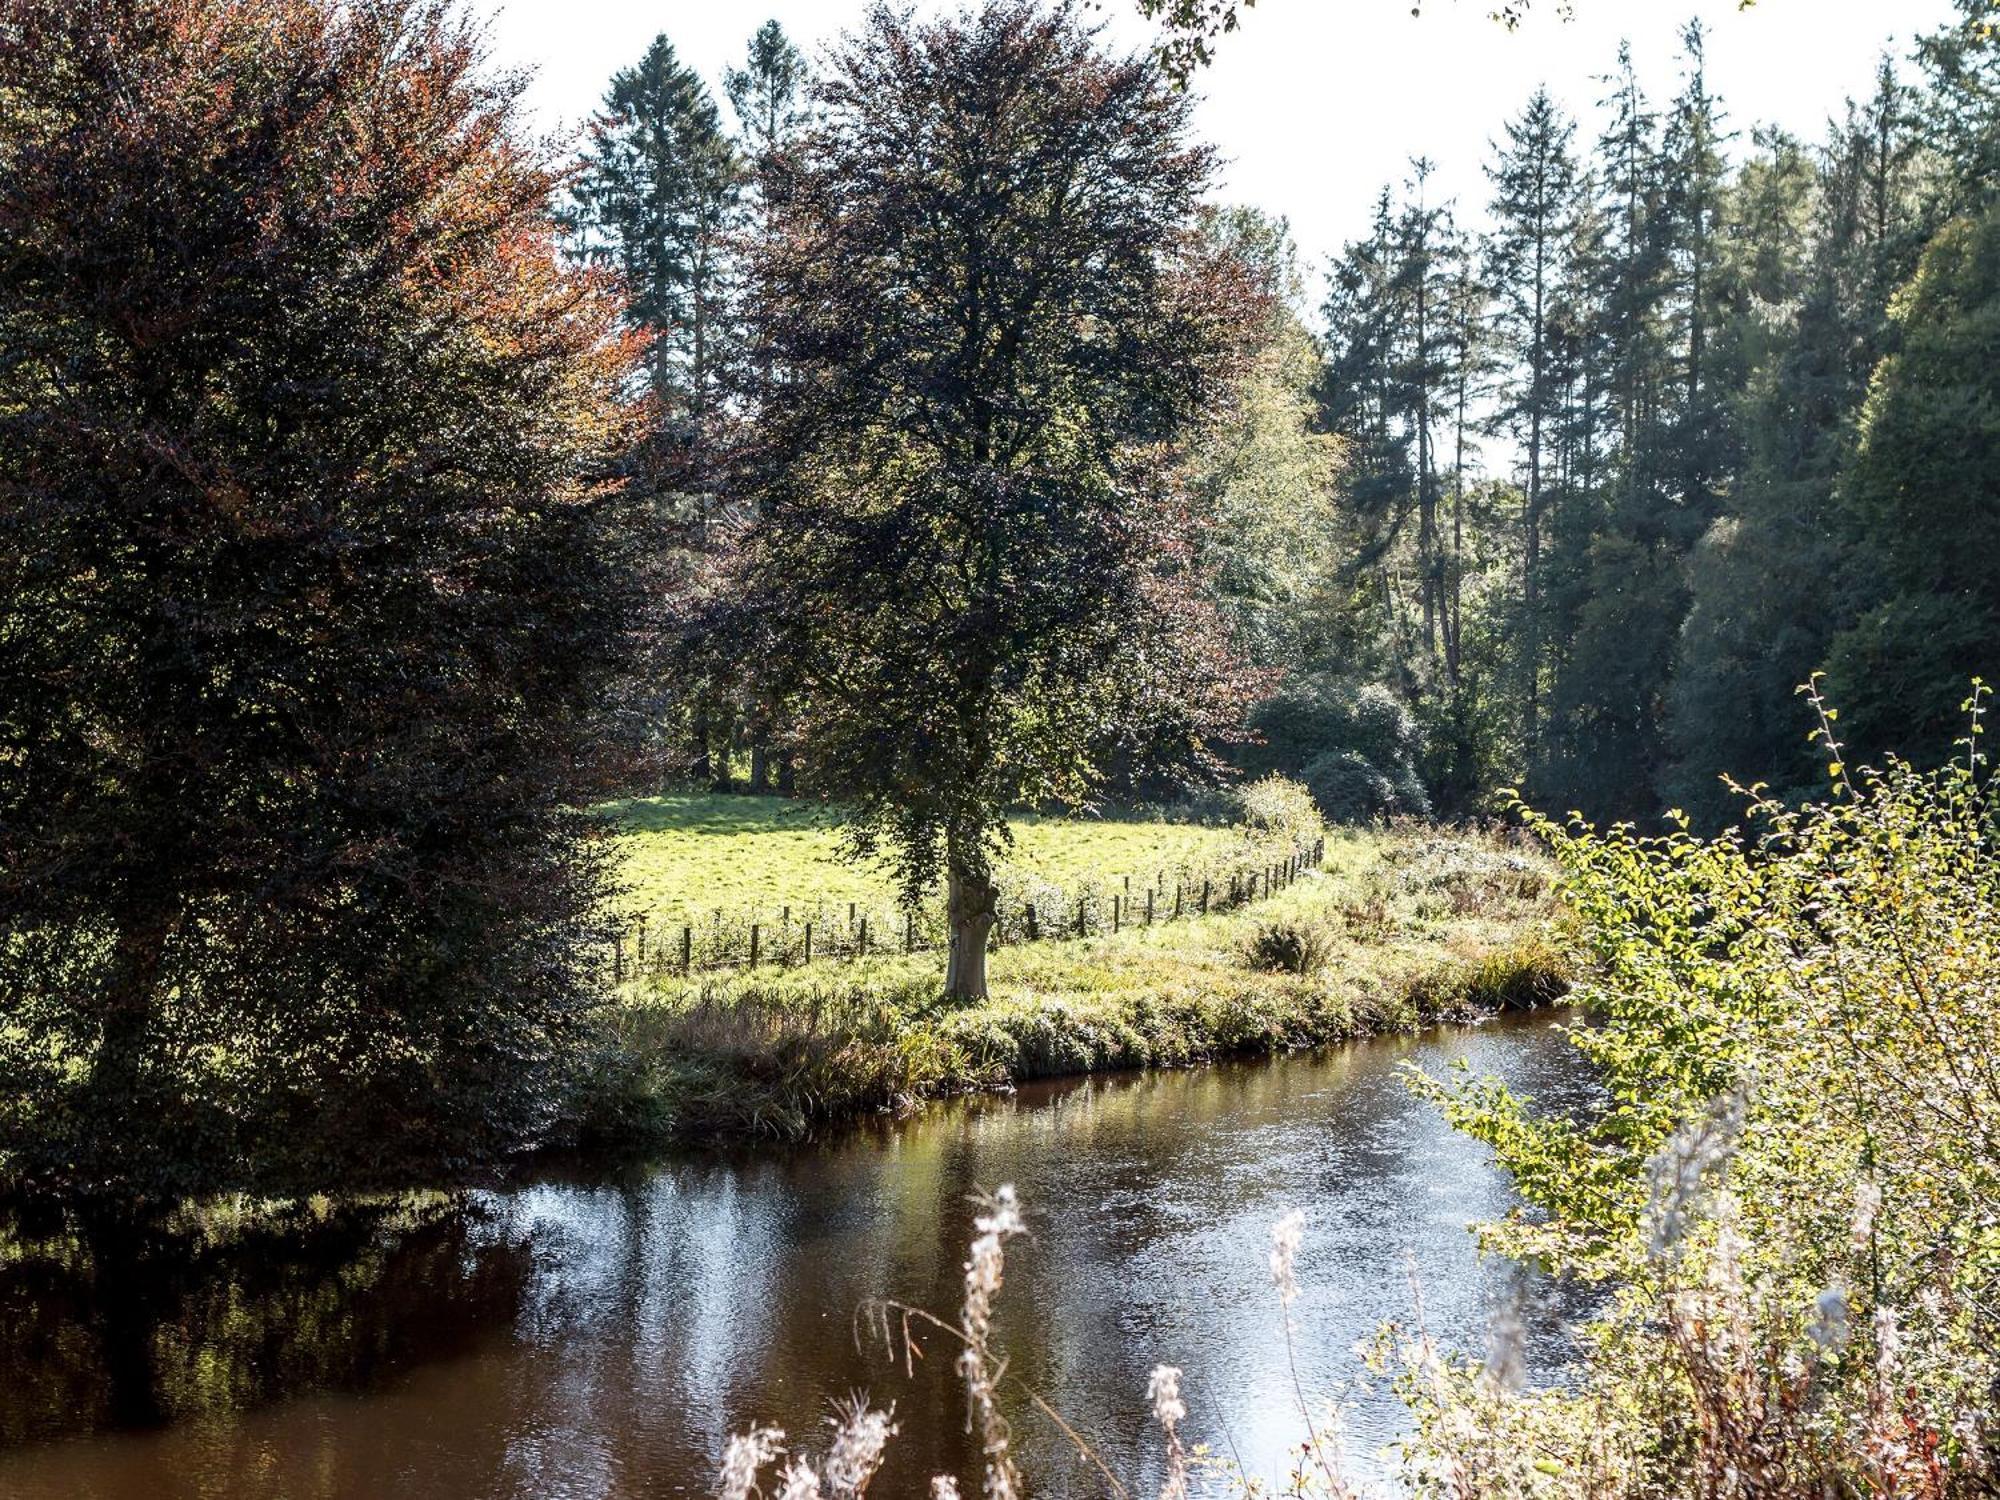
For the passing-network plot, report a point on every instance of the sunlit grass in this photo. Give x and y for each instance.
(687, 856)
(1418, 927)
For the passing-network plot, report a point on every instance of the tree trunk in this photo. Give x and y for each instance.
(700, 767)
(760, 767)
(724, 777)
(788, 782)
(971, 900)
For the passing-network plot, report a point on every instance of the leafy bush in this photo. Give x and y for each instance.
(1350, 789)
(1793, 1186)
(1303, 947)
(1356, 747)
(1282, 809)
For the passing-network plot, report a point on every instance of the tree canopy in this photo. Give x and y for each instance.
(314, 593)
(986, 312)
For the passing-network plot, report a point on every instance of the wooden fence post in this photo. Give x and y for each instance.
(861, 945)
(1180, 892)
(1149, 908)
(755, 933)
(807, 956)
(639, 958)
(1117, 908)
(1082, 916)
(687, 951)
(1204, 895)
(1034, 931)
(909, 932)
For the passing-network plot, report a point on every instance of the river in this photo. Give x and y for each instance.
(597, 1340)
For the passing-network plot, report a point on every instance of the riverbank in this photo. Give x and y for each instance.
(1397, 931)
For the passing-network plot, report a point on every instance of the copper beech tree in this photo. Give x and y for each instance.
(985, 313)
(313, 590)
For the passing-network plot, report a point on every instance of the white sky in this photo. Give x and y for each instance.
(1316, 103)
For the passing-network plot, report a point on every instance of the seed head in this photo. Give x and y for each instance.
(1828, 1328)
(1888, 1341)
(1163, 1389)
(860, 1434)
(1867, 1204)
(745, 1457)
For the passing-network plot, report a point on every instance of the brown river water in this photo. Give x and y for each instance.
(596, 1340)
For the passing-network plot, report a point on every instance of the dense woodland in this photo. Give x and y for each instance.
(1572, 502)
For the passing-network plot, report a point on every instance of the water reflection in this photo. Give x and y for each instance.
(595, 1339)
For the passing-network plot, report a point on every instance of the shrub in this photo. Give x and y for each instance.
(1283, 809)
(1356, 747)
(1792, 1182)
(1350, 789)
(1289, 947)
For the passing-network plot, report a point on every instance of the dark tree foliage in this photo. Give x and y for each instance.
(986, 312)
(1826, 243)
(1961, 117)
(1921, 504)
(1747, 443)
(311, 596)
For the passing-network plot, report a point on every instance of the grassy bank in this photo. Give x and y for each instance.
(1396, 931)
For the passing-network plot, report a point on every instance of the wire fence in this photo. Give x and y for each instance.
(1030, 910)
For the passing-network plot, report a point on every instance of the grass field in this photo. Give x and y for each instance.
(1411, 928)
(688, 856)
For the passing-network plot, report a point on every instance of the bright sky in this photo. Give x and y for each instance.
(1316, 103)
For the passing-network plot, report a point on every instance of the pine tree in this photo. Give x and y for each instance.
(1697, 446)
(1920, 504)
(657, 199)
(1961, 114)
(1630, 268)
(1425, 246)
(1534, 210)
(1361, 400)
(768, 93)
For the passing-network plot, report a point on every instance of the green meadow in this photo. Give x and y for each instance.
(688, 856)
